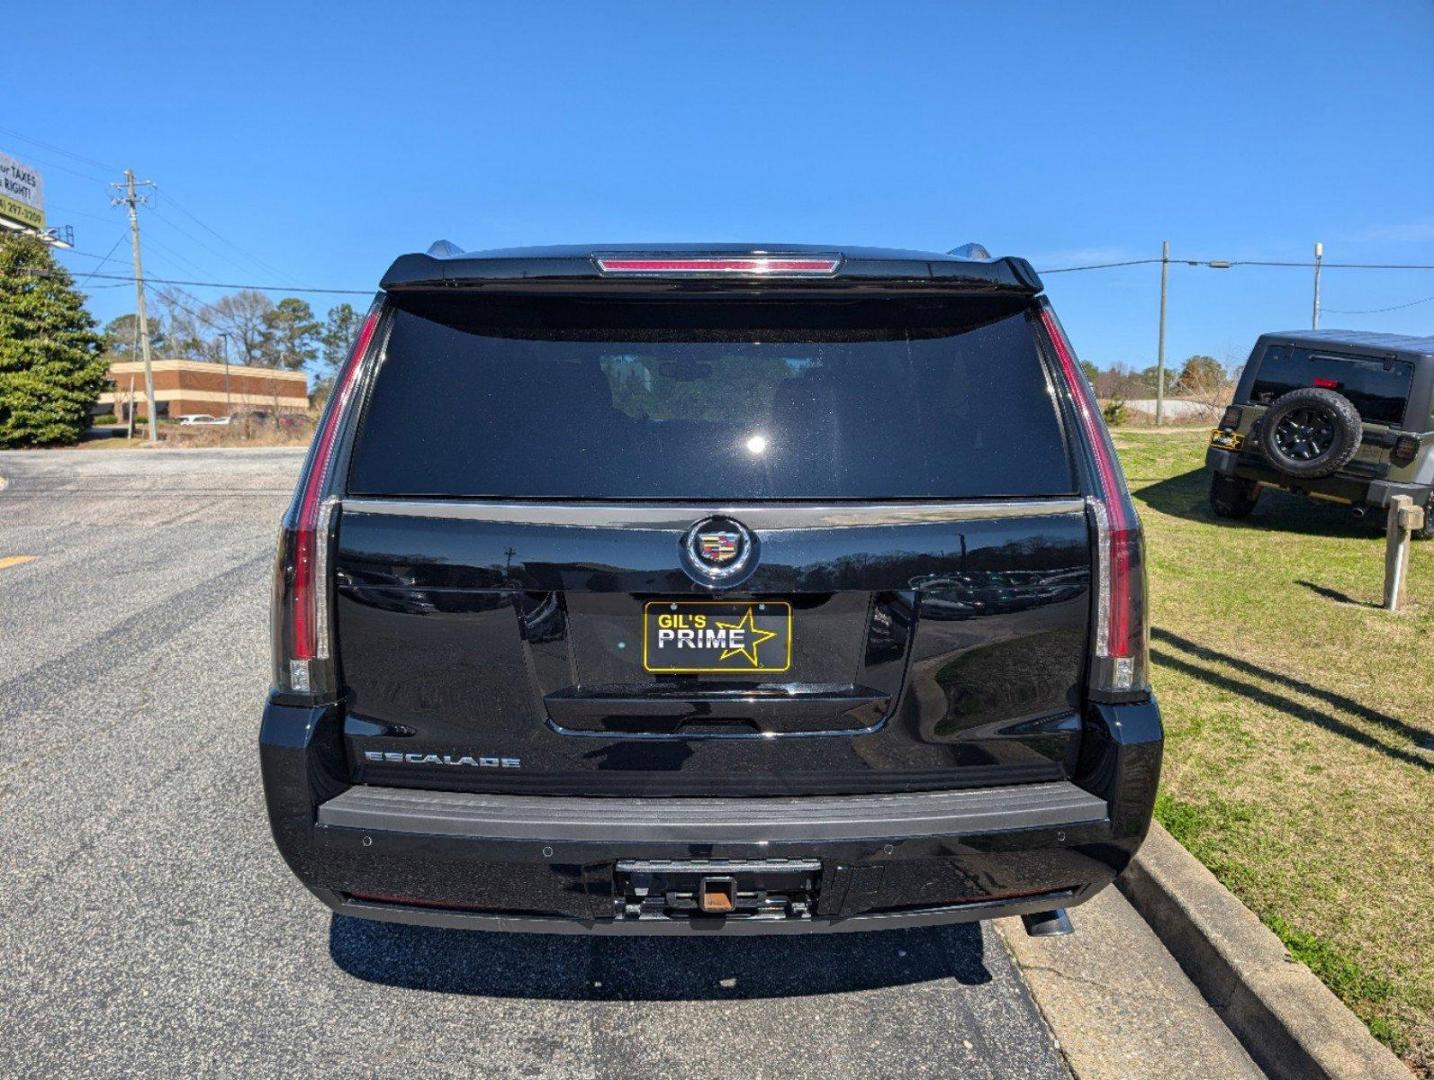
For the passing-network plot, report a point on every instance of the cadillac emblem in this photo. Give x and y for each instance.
(718, 551)
(717, 548)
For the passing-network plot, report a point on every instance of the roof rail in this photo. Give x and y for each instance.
(444, 249)
(970, 251)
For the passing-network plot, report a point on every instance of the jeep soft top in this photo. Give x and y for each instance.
(751, 588)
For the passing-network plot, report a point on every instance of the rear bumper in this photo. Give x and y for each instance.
(1358, 490)
(548, 863)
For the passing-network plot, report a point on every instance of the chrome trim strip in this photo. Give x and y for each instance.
(659, 517)
(1102, 598)
(705, 736)
(323, 536)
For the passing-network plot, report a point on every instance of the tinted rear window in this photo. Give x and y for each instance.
(710, 400)
(1378, 388)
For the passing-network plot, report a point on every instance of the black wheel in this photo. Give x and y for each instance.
(1310, 432)
(1231, 497)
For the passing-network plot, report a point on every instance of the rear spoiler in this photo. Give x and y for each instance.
(566, 266)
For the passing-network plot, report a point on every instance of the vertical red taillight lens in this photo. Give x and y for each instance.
(301, 580)
(1120, 646)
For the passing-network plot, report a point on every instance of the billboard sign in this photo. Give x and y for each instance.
(22, 195)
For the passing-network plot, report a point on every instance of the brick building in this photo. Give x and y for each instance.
(191, 386)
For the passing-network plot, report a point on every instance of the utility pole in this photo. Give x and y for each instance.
(1160, 349)
(133, 200)
(1319, 259)
(228, 408)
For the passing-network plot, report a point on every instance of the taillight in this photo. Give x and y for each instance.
(1120, 650)
(756, 265)
(301, 583)
(1231, 420)
(1326, 384)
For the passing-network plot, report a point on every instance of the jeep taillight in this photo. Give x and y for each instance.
(302, 651)
(1231, 420)
(1120, 647)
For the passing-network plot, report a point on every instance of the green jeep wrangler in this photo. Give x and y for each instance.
(1338, 415)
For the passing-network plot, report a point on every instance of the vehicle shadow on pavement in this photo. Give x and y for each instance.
(1258, 688)
(1187, 496)
(579, 967)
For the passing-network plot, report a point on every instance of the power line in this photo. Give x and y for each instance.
(59, 150)
(82, 254)
(154, 213)
(50, 164)
(70, 211)
(169, 298)
(1099, 266)
(1328, 265)
(185, 261)
(1213, 263)
(195, 240)
(1378, 310)
(40, 272)
(221, 237)
(1223, 264)
(117, 243)
(81, 158)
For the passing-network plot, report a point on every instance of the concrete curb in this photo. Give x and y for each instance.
(1287, 1020)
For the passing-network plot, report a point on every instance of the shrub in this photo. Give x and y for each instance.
(51, 365)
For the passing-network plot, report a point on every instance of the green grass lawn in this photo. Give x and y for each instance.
(1300, 728)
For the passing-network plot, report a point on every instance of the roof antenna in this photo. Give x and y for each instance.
(970, 251)
(443, 249)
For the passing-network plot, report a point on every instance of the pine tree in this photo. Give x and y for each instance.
(51, 363)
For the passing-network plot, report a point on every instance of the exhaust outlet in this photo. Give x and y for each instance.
(1359, 512)
(1048, 923)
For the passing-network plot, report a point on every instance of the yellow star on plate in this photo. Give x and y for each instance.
(757, 637)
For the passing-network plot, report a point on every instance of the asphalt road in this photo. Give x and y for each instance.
(151, 929)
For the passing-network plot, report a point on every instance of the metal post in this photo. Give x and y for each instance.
(1160, 350)
(1404, 517)
(131, 200)
(1319, 259)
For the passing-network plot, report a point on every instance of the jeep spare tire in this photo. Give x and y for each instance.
(1310, 432)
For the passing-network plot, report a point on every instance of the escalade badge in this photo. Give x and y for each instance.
(718, 551)
(394, 757)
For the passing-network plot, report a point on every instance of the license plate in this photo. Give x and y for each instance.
(1229, 440)
(693, 637)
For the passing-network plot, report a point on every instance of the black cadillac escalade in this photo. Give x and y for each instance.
(740, 589)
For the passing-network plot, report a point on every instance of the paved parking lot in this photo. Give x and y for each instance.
(151, 929)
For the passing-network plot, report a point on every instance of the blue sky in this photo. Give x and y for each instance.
(320, 143)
